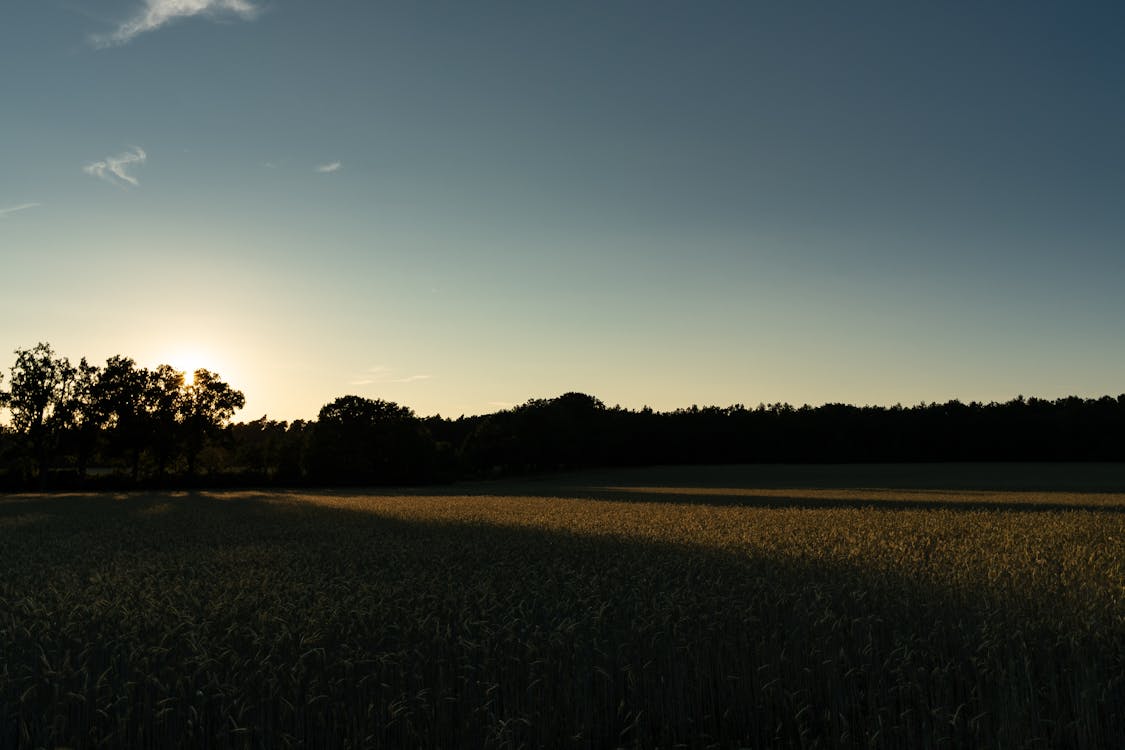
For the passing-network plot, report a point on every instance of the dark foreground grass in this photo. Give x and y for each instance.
(632, 610)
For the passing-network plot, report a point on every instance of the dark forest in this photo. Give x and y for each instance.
(120, 425)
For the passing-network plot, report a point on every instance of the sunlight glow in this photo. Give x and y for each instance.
(188, 359)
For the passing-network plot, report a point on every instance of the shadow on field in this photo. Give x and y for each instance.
(875, 499)
(1022, 488)
(968, 477)
(277, 618)
(1012, 487)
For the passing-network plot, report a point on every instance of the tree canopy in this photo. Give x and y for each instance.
(122, 412)
(363, 440)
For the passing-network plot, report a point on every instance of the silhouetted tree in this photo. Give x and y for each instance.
(291, 449)
(120, 398)
(255, 444)
(362, 440)
(206, 406)
(38, 397)
(61, 414)
(569, 431)
(84, 418)
(163, 411)
(4, 442)
(494, 446)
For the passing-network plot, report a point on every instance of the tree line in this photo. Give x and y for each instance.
(120, 425)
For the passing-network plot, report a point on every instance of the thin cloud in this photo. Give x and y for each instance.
(158, 13)
(380, 374)
(411, 379)
(113, 168)
(21, 207)
(330, 167)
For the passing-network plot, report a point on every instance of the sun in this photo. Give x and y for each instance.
(187, 355)
(188, 359)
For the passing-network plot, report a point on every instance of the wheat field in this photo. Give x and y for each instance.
(710, 607)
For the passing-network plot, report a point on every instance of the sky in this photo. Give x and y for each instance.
(459, 206)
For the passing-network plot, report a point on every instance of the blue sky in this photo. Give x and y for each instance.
(459, 206)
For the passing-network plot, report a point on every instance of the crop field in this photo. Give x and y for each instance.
(888, 607)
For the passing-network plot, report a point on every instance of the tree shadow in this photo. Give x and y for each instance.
(977, 477)
(879, 499)
(1027, 488)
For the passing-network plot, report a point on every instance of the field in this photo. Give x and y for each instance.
(872, 606)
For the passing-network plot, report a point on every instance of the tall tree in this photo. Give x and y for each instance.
(361, 440)
(165, 404)
(120, 397)
(38, 399)
(84, 419)
(207, 405)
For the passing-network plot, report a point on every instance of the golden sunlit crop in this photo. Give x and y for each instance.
(536, 615)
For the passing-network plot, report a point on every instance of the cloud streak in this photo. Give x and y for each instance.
(410, 379)
(329, 168)
(158, 13)
(113, 168)
(380, 374)
(15, 209)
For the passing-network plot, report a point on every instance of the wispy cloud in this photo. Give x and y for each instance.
(157, 13)
(410, 379)
(330, 167)
(113, 168)
(14, 209)
(372, 375)
(380, 374)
